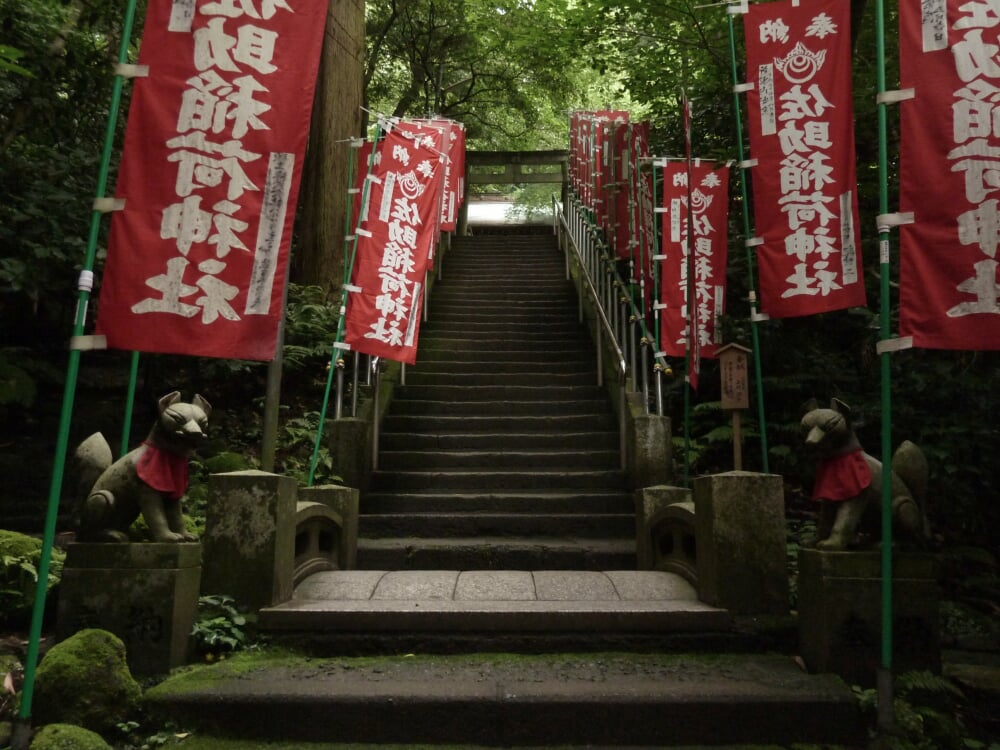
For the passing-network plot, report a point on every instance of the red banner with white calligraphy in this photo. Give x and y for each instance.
(709, 222)
(210, 175)
(801, 126)
(950, 174)
(395, 238)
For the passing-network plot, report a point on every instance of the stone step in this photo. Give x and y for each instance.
(595, 700)
(575, 345)
(445, 360)
(522, 480)
(510, 524)
(536, 407)
(496, 553)
(496, 424)
(479, 394)
(492, 441)
(443, 460)
(513, 501)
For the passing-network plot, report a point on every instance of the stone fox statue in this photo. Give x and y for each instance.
(150, 480)
(849, 481)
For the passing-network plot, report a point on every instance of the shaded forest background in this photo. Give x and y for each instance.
(510, 70)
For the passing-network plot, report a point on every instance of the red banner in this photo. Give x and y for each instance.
(640, 180)
(709, 222)
(454, 174)
(395, 237)
(950, 174)
(210, 175)
(801, 127)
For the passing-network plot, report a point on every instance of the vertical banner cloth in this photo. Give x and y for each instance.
(710, 224)
(395, 235)
(210, 175)
(950, 174)
(801, 125)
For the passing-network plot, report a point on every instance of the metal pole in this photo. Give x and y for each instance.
(755, 335)
(886, 717)
(22, 730)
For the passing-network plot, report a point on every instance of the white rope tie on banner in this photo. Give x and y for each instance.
(107, 205)
(661, 210)
(742, 88)
(350, 237)
(130, 70)
(364, 233)
(659, 257)
(885, 222)
(748, 163)
(894, 97)
(754, 242)
(352, 288)
(659, 306)
(342, 345)
(353, 191)
(894, 344)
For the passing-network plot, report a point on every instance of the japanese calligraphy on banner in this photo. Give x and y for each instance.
(210, 174)
(950, 174)
(454, 174)
(395, 236)
(709, 222)
(801, 127)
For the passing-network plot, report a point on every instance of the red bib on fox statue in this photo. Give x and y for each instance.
(164, 471)
(841, 477)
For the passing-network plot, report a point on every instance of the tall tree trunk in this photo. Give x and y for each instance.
(319, 256)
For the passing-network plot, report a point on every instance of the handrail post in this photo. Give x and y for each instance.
(376, 408)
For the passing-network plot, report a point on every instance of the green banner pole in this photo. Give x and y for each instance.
(69, 391)
(351, 239)
(886, 717)
(133, 377)
(754, 333)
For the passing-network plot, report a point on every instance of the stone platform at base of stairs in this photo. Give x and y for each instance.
(495, 601)
(597, 700)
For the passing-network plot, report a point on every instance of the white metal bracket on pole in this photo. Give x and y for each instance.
(107, 205)
(88, 343)
(742, 8)
(129, 70)
(885, 222)
(895, 97)
(894, 344)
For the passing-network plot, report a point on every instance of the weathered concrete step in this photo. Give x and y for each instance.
(496, 553)
(442, 460)
(451, 524)
(468, 441)
(535, 407)
(438, 373)
(550, 424)
(584, 700)
(568, 479)
(536, 392)
(573, 344)
(561, 366)
(582, 501)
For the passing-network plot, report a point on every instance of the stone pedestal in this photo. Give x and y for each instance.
(343, 501)
(146, 594)
(840, 613)
(664, 528)
(740, 520)
(249, 540)
(649, 454)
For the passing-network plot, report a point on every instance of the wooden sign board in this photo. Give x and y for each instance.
(735, 377)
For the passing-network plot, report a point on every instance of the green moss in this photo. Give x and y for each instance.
(85, 681)
(67, 737)
(20, 556)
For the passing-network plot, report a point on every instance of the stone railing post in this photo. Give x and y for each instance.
(740, 520)
(249, 541)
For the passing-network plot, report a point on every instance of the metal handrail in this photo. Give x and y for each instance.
(605, 325)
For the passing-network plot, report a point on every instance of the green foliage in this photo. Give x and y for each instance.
(221, 628)
(297, 444)
(926, 717)
(20, 556)
(310, 328)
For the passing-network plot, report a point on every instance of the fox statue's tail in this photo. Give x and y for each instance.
(910, 465)
(93, 456)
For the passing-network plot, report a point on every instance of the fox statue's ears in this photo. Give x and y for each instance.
(835, 403)
(174, 396)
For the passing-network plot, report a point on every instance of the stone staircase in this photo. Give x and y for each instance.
(500, 451)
